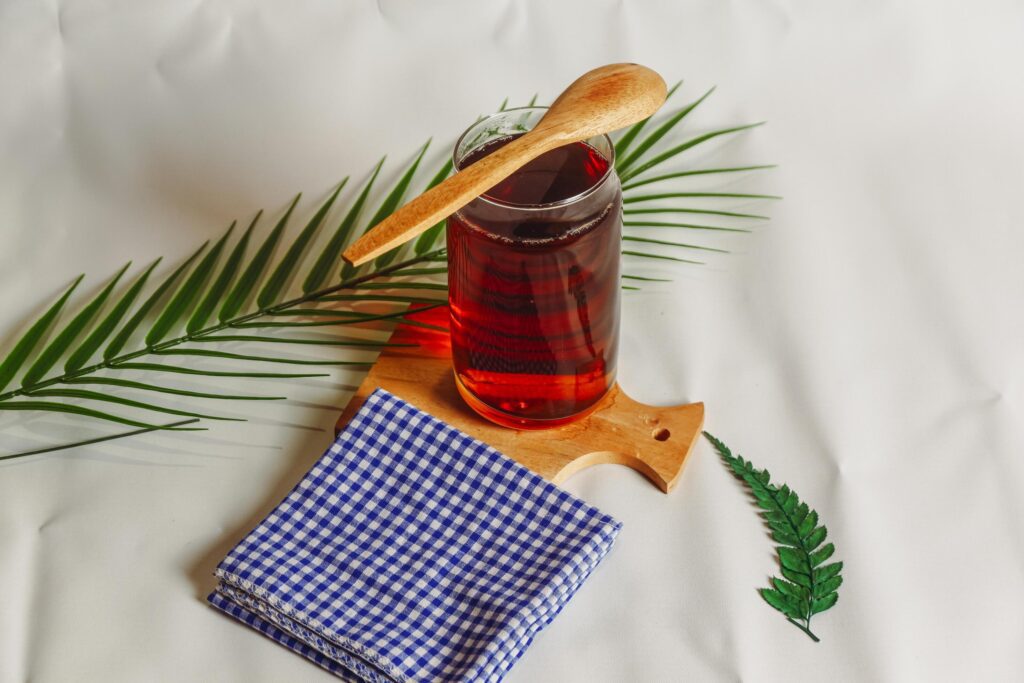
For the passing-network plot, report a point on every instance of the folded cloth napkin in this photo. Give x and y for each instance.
(412, 552)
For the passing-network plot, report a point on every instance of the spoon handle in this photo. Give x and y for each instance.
(448, 197)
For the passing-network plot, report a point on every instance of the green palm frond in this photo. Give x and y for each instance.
(219, 295)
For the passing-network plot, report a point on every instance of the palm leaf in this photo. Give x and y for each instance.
(51, 407)
(227, 275)
(99, 439)
(111, 398)
(693, 172)
(155, 367)
(323, 313)
(276, 282)
(189, 291)
(647, 240)
(393, 201)
(626, 139)
(420, 271)
(99, 335)
(660, 132)
(67, 336)
(144, 386)
(388, 207)
(288, 340)
(260, 359)
(221, 306)
(23, 349)
(689, 226)
(404, 285)
(380, 297)
(119, 340)
(321, 270)
(252, 273)
(645, 279)
(709, 212)
(669, 195)
(641, 254)
(352, 320)
(809, 587)
(678, 149)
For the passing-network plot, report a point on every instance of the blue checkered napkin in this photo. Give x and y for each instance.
(412, 552)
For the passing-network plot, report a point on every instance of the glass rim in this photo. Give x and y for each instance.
(548, 205)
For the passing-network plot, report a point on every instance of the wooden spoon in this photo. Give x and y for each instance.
(600, 101)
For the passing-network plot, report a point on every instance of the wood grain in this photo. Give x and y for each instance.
(654, 441)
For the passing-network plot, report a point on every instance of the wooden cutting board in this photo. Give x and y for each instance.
(653, 441)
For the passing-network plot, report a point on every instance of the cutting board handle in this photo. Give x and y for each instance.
(653, 441)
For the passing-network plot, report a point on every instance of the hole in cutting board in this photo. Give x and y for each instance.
(661, 434)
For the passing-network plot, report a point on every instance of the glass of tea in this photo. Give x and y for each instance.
(533, 279)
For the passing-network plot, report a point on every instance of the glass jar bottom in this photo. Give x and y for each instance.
(512, 421)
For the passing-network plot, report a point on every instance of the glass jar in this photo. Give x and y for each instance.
(533, 280)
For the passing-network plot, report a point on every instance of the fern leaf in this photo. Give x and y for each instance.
(820, 605)
(67, 336)
(815, 538)
(825, 573)
(808, 523)
(807, 588)
(788, 605)
(23, 349)
(819, 556)
(823, 588)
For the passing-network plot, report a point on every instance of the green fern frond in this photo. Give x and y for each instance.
(809, 585)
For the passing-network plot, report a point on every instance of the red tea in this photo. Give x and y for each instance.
(534, 288)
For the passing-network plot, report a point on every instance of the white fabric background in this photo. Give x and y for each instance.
(867, 346)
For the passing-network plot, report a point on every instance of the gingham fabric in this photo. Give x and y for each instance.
(412, 552)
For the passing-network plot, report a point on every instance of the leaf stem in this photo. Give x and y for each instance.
(99, 439)
(113, 363)
(806, 629)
